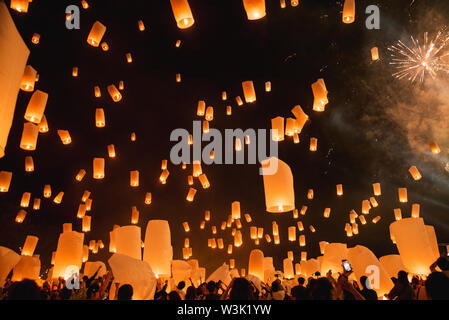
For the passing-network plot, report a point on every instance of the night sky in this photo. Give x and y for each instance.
(358, 143)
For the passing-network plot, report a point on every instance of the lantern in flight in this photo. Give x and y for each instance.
(80, 175)
(114, 93)
(5, 180)
(98, 168)
(28, 79)
(248, 91)
(29, 164)
(29, 136)
(65, 137)
(96, 34)
(100, 120)
(416, 175)
(349, 11)
(402, 193)
(277, 125)
(134, 178)
(43, 125)
(182, 13)
(255, 9)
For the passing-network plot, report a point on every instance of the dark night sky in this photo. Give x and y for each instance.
(220, 51)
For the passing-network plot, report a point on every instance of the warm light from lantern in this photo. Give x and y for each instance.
(349, 11)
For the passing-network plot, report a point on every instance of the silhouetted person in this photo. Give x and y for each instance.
(441, 263)
(125, 292)
(212, 291)
(437, 286)
(241, 289)
(299, 292)
(24, 290)
(367, 292)
(174, 296)
(191, 293)
(402, 289)
(321, 289)
(179, 289)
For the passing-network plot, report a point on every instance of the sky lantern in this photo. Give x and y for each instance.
(100, 120)
(190, 180)
(164, 175)
(247, 217)
(164, 164)
(178, 43)
(302, 240)
(303, 255)
(402, 193)
(224, 96)
(28, 267)
(69, 252)
(36, 204)
(148, 198)
(36, 38)
(20, 5)
(392, 264)
(96, 34)
(268, 86)
(104, 47)
(332, 257)
(434, 148)
(141, 25)
(279, 189)
(290, 127)
(25, 201)
(373, 202)
(376, 219)
(304, 208)
(111, 151)
(178, 77)
(255, 9)
(29, 136)
(112, 246)
(204, 181)
(134, 215)
(349, 11)
(133, 137)
(85, 4)
(235, 209)
(277, 125)
(290, 255)
(238, 224)
(294, 3)
(191, 194)
(58, 198)
(248, 91)
(397, 214)
(362, 219)
(253, 232)
(5, 180)
(28, 79)
(416, 175)
(29, 246)
(352, 216)
(97, 92)
(313, 144)
(186, 226)
(29, 164)
(85, 196)
(114, 93)
(239, 101)
(182, 13)
(228, 110)
(289, 272)
(376, 189)
(292, 233)
(205, 126)
(238, 239)
(134, 178)
(201, 109)
(283, 4)
(75, 72)
(319, 95)
(128, 241)
(214, 229)
(267, 238)
(43, 125)
(85, 254)
(21, 215)
(309, 195)
(86, 223)
(80, 175)
(339, 190)
(415, 210)
(366, 206)
(323, 245)
(362, 261)
(65, 137)
(197, 170)
(295, 213)
(81, 211)
(275, 228)
(129, 58)
(98, 168)
(374, 54)
(414, 244)
(327, 212)
(256, 264)
(210, 113)
(47, 191)
(121, 86)
(301, 118)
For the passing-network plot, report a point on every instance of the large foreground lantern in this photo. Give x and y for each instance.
(29, 245)
(28, 267)
(349, 11)
(5, 180)
(69, 253)
(333, 255)
(128, 241)
(13, 57)
(8, 259)
(278, 186)
(256, 264)
(158, 251)
(96, 34)
(20, 5)
(392, 264)
(29, 136)
(255, 9)
(289, 272)
(415, 244)
(182, 13)
(364, 263)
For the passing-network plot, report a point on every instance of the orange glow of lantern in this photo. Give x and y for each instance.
(36, 38)
(376, 219)
(58, 198)
(327, 212)
(190, 180)
(224, 96)
(186, 226)
(96, 34)
(178, 77)
(210, 113)
(228, 110)
(100, 120)
(402, 193)
(292, 233)
(134, 178)
(416, 175)
(25, 201)
(178, 43)
(182, 13)
(97, 91)
(301, 118)
(319, 95)
(21, 215)
(133, 137)
(36, 107)
(376, 189)
(47, 191)
(129, 58)
(28, 79)
(36, 204)
(205, 126)
(164, 176)
(114, 93)
(104, 47)
(80, 175)
(255, 9)
(207, 215)
(75, 72)
(29, 136)
(415, 210)
(304, 208)
(202, 225)
(366, 206)
(121, 86)
(85, 4)
(201, 109)
(111, 151)
(134, 215)
(362, 219)
(81, 211)
(248, 91)
(374, 54)
(239, 101)
(29, 246)
(148, 198)
(373, 202)
(277, 125)
(20, 5)
(86, 223)
(434, 148)
(339, 190)
(65, 137)
(191, 194)
(98, 168)
(349, 11)
(295, 214)
(313, 144)
(235, 209)
(29, 164)
(141, 25)
(43, 125)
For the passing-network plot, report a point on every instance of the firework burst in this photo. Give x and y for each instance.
(414, 62)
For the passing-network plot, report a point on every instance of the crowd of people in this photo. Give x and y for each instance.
(434, 287)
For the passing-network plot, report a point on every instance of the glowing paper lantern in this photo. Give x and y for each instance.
(376, 219)
(333, 255)
(81, 211)
(362, 219)
(238, 239)
(364, 262)
(402, 193)
(69, 253)
(228, 110)
(64, 135)
(277, 125)
(300, 226)
(86, 223)
(129, 58)
(313, 144)
(20, 5)
(13, 57)
(397, 214)
(392, 264)
(302, 240)
(133, 137)
(97, 92)
(248, 91)
(96, 34)
(141, 25)
(279, 189)
(182, 13)
(28, 79)
(349, 11)
(301, 118)
(100, 120)
(434, 148)
(255, 9)
(416, 175)
(111, 151)
(339, 189)
(414, 244)
(415, 210)
(366, 206)
(8, 260)
(5, 180)
(36, 38)
(204, 181)
(158, 250)
(114, 93)
(164, 176)
(75, 72)
(36, 204)
(43, 125)
(178, 77)
(373, 202)
(58, 198)
(210, 113)
(288, 269)
(148, 198)
(256, 264)
(239, 101)
(191, 194)
(104, 47)
(376, 189)
(47, 191)
(320, 95)
(134, 215)
(127, 241)
(323, 245)
(29, 246)
(25, 201)
(21, 215)
(27, 268)
(85, 4)
(134, 178)
(235, 209)
(374, 54)
(29, 136)
(201, 109)
(98, 168)
(121, 86)
(292, 233)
